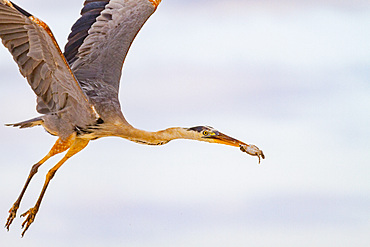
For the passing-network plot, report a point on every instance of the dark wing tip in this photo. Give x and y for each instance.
(22, 11)
(89, 13)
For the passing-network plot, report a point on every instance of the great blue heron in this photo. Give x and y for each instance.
(77, 91)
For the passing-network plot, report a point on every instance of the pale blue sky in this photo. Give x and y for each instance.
(289, 76)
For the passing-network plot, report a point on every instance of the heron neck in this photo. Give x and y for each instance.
(155, 138)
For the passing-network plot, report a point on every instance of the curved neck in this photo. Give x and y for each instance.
(155, 138)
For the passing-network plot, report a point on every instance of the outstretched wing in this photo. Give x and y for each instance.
(40, 60)
(101, 38)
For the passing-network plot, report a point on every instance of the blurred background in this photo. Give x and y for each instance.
(292, 77)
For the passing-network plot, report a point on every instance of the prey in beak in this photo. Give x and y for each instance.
(209, 134)
(247, 148)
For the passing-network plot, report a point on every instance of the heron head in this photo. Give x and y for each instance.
(209, 134)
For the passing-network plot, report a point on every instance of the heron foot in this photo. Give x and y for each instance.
(12, 215)
(31, 214)
(252, 150)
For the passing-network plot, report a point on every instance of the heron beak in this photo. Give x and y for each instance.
(227, 140)
(247, 148)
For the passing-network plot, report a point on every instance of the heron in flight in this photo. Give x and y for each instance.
(77, 91)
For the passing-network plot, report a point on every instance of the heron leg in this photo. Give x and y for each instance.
(76, 147)
(59, 147)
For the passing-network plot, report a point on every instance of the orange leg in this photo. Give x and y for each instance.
(59, 147)
(76, 147)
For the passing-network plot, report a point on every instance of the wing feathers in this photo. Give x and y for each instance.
(40, 60)
(35, 75)
(79, 32)
(100, 39)
(18, 50)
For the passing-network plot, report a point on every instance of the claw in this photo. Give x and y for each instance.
(11, 217)
(252, 150)
(31, 214)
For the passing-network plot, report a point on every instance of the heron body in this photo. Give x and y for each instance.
(77, 91)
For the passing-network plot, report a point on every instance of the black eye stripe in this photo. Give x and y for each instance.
(197, 128)
(200, 129)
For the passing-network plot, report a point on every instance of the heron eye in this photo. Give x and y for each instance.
(206, 133)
